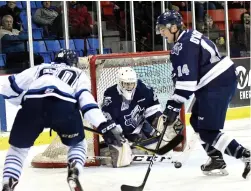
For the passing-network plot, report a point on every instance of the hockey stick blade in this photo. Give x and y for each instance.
(171, 145)
(131, 188)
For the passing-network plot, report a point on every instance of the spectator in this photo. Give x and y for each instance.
(11, 9)
(8, 36)
(240, 42)
(49, 19)
(13, 44)
(201, 7)
(81, 23)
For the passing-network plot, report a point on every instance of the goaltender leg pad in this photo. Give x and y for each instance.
(121, 156)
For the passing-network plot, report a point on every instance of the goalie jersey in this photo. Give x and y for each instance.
(198, 64)
(59, 80)
(131, 115)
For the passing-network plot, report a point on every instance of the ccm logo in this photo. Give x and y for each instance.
(108, 128)
(147, 158)
(172, 108)
(70, 136)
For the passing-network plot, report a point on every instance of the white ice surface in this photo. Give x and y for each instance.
(164, 177)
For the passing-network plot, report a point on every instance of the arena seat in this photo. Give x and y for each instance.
(79, 44)
(40, 48)
(107, 8)
(19, 4)
(2, 3)
(93, 43)
(72, 46)
(39, 4)
(235, 14)
(217, 15)
(52, 45)
(92, 52)
(187, 16)
(37, 33)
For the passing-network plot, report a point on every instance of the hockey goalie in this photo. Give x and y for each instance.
(135, 107)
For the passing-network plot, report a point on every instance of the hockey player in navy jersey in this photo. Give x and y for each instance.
(51, 95)
(199, 68)
(135, 107)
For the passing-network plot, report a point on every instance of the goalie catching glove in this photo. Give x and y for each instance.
(112, 133)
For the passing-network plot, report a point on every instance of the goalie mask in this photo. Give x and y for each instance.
(127, 82)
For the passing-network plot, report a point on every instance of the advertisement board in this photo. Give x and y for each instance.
(243, 94)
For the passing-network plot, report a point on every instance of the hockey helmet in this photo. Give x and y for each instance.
(127, 82)
(167, 19)
(67, 56)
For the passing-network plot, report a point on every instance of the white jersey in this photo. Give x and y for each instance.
(59, 80)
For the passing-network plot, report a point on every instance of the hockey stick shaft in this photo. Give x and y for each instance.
(141, 187)
(152, 160)
(138, 158)
(136, 145)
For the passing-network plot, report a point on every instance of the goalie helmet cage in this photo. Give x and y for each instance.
(153, 68)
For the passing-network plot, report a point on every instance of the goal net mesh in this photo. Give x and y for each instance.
(153, 68)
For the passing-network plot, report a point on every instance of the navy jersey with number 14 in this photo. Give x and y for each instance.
(198, 64)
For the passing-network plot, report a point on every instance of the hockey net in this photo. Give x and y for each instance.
(153, 68)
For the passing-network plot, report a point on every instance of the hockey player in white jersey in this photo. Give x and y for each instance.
(135, 107)
(199, 68)
(51, 95)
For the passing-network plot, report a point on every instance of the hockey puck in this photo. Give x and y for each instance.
(177, 164)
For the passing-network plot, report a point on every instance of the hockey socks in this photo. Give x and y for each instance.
(13, 166)
(76, 160)
(78, 153)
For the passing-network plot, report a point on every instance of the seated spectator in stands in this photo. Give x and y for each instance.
(81, 23)
(11, 9)
(240, 42)
(11, 39)
(49, 19)
(13, 44)
(208, 28)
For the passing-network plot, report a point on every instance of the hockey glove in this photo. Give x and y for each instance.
(172, 111)
(112, 133)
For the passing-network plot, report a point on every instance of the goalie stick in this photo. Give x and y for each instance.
(138, 158)
(160, 151)
(172, 144)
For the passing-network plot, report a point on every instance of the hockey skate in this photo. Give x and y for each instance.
(10, 185)
(215, 166)
(246, 159)
(72, 177)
